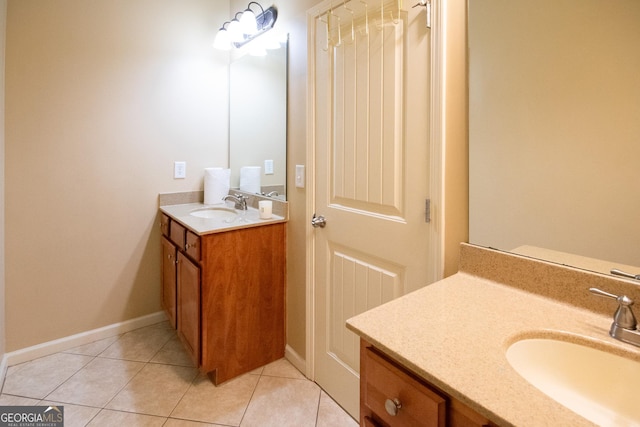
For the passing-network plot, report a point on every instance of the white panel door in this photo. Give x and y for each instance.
(370, 79)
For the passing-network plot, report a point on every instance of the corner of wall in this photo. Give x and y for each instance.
(457, 140)
(3, 26)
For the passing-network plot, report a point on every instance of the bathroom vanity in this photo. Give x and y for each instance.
(223, 286)
(443, 355)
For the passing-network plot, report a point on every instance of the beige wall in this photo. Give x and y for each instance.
(101, 98)
(456, 147)
(3, 16)
(555, 129)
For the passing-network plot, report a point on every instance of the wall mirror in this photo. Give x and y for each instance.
(554, 129)
(258, 118)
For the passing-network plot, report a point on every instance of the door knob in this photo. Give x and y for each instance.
(318, 221)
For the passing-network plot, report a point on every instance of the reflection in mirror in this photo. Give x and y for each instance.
(554, 129)
(258, 120)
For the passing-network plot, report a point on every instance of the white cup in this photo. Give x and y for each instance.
(265, 207)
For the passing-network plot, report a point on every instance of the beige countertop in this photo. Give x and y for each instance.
(201, 226)
(455, 333)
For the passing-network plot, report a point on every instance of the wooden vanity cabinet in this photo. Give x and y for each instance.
(229, 299)
(415, 402)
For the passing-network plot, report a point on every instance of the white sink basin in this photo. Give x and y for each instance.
(599, 386)
(213, 212)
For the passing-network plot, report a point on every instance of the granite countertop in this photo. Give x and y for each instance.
(202, 226)
(455, 333)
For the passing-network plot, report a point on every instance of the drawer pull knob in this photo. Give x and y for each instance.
(392, 406)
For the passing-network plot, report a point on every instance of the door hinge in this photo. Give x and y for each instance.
(427, 210)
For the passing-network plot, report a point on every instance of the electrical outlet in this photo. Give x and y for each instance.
(268, 167)
(179, 170)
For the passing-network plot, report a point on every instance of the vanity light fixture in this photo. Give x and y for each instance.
(240, 31)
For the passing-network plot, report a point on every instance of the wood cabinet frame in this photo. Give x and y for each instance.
(230, 298)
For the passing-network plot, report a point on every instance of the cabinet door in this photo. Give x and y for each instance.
(169, 280)
(189, 306)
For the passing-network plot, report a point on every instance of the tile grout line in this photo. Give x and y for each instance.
(133, 377)
(191, 385)
(246, 408)
(318, 406)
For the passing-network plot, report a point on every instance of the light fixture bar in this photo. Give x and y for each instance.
(240, 31)
(265, 22)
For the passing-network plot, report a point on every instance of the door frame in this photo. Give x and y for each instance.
(436, 142)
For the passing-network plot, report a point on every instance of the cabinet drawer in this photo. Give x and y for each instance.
(418, 404)
(192, 245)
(164, 224)
(177, 234)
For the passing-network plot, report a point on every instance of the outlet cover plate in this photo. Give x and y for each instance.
(268, 167)
(179, 170)
(300, 176)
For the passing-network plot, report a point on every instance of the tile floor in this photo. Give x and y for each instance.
(144, 378)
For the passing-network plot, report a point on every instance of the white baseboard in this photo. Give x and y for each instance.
(295, 359)
(66, 343)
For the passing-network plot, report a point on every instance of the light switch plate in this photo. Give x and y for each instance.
(268, 167)
(300, 176)
(179, 170)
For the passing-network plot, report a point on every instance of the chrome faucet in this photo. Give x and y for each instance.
(624, 326)
(239, 199)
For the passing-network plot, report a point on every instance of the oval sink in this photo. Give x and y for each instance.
(599, 386)
(219, 213)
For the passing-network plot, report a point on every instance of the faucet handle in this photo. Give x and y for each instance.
(623, 316)
(242, 201)
(617, 272)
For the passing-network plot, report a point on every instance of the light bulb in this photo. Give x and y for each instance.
(222, 40)
(235, 32)
(248, 22)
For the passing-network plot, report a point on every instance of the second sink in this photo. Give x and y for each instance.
(215, 212)
(598, 385)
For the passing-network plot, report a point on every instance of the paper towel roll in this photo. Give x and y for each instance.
(250, 179)
(216, 185)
